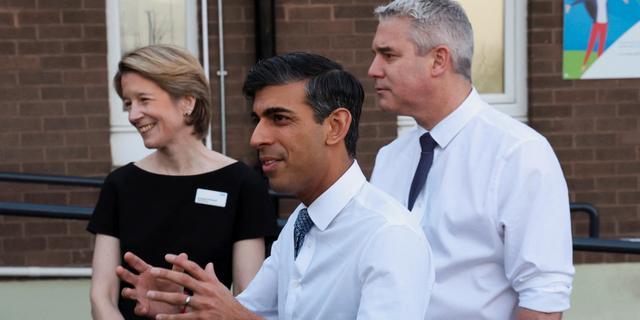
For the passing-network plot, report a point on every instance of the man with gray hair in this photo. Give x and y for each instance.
(488, 190)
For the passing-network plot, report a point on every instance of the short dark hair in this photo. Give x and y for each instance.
(327, 86)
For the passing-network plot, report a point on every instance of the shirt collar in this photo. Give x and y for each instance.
(449, 127)
(327, 206)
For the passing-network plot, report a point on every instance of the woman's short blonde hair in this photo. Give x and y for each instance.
(178, 73)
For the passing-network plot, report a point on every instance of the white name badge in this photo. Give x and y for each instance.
(211, 198)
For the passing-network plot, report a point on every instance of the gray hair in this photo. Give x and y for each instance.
(436, 22)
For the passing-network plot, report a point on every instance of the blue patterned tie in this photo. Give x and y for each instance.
(300, 229)
(422, 171)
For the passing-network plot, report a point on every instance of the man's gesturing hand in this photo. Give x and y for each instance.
(145, 281)
(210, 300)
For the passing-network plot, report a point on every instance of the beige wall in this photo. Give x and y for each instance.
(605, 292)
(45, 299)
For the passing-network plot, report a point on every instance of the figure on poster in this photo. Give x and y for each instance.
(598, 12)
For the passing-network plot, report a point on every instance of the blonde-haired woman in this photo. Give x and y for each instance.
(181, 198)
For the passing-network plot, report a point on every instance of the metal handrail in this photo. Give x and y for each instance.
(51, 179)
(592, 212)
(593, 243)
(280, 195)
(84, 213)
(605, 245)
(81, 181)
(45, 211)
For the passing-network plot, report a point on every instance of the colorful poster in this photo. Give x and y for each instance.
(601, 39)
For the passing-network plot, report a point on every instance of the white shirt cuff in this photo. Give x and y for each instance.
(552, 298)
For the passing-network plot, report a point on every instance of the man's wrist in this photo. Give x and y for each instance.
(242, 313)
(528, 314)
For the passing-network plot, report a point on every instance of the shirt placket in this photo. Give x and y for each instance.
(296, 283)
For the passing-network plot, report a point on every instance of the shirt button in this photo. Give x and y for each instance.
(296, 284)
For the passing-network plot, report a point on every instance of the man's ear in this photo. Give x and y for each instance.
(441, 60)
(337, 125)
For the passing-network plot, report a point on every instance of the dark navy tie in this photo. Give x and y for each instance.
(426, 159)
(302, 226)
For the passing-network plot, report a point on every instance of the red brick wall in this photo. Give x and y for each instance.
(53, 119)
(239, 57)
(54, 110)
(594, 127)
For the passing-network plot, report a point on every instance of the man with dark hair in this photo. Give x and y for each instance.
(349, 251)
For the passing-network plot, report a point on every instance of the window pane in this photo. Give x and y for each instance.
(144, 22)
(487, 19)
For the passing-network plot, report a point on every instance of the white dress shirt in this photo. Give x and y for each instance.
(495, 210)
(362, 259)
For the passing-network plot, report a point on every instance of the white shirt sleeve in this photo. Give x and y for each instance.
(397, 275)
(261, 296)
(533, 211)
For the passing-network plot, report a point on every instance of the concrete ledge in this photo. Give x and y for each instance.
(45, 299)
(605, 292)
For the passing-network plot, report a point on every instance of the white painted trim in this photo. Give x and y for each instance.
(192, 28)
(222, 73)
(515, 103)
(405, 123)
(204, 7)
(509, 56)
(37, 272)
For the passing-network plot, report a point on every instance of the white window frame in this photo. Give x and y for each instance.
(126, 143)
(513, 101)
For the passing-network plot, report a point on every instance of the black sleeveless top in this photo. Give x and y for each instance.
(154, 214)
